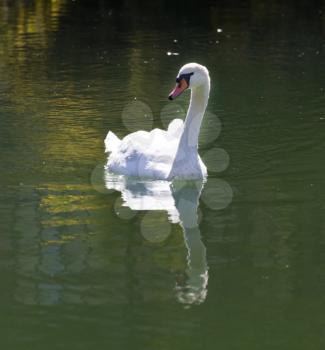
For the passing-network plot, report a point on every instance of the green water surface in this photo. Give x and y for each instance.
(235, 263)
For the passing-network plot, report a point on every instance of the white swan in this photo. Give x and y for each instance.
(166, 154)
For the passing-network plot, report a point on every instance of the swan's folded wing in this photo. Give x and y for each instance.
(175, 128)
(112, 142)
(142, 153)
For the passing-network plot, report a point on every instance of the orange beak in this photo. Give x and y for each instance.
(179, 88)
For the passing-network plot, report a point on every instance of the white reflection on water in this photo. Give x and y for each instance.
(181, 200)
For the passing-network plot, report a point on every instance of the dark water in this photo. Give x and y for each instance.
(238, 266)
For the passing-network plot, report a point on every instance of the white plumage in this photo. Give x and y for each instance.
(166, 154)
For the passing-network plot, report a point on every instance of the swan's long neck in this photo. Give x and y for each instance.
(186, 163)
(198, 103)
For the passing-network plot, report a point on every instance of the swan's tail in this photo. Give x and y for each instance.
(112, 142)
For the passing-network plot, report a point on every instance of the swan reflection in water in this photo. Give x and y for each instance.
(180, 199)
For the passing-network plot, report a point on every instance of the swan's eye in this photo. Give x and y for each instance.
(186, 77)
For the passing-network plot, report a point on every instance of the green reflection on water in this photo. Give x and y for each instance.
(77, 271)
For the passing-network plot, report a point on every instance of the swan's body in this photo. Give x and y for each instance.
(166, 154)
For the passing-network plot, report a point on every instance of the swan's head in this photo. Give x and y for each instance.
(191, 75)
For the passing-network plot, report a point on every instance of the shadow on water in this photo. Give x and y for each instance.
(181, 201)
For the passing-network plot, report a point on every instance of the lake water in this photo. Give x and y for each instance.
(90, 260)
